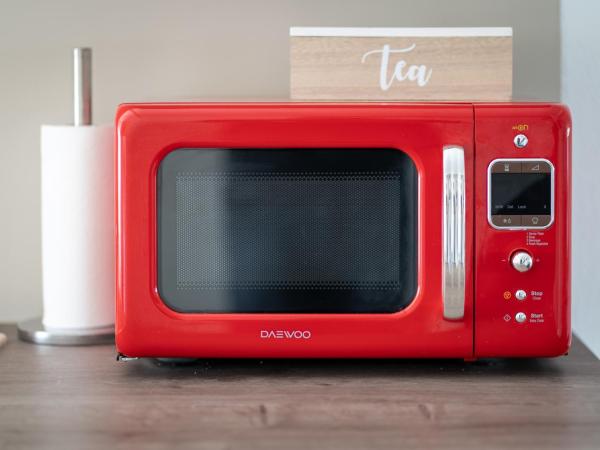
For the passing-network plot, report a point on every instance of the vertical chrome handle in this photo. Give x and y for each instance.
(453, 271)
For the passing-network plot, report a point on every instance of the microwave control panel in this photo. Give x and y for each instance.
(520, 193)
(522, 228)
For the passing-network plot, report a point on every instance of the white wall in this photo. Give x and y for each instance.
(580, 23)
(178, 50)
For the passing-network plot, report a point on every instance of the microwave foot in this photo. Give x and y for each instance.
(176, 361)
(122, 358)
(471, 359)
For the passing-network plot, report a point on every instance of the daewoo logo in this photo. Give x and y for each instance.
(285, 334)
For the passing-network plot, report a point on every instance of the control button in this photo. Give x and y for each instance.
(522, 261)
(535, 221)
(520, 294)
(507, 167)
(536, 167)
(521, 141)
(520, 317)
(507, 295)
(506, 221)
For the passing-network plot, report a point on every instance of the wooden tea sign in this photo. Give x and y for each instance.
(401, 63)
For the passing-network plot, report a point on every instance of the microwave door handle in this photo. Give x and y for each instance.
(453, 271)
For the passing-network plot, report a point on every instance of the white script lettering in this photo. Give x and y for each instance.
(419, 74)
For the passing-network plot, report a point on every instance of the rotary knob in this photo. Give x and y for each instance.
(522, 261)
(521, 141)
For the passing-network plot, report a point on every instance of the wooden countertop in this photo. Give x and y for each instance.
(80, 397)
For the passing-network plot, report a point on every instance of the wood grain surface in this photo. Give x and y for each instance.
(462, 68)
(81, 398)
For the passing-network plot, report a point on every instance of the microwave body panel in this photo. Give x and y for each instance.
(342, 230)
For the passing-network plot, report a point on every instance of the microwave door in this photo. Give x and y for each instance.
(350, 225)
(299, 230)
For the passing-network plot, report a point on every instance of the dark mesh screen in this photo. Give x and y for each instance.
(287, 230)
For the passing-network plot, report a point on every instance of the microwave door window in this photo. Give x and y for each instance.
(287, 230)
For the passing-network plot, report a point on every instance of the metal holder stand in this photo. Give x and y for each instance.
(34, 331)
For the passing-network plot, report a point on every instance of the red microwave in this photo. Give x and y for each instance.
(343, 230)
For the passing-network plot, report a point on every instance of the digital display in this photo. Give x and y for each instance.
(521, 193)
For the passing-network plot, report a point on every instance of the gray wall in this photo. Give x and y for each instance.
(581, 91)
(181, 50)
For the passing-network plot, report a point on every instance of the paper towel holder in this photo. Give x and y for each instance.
(34, 330)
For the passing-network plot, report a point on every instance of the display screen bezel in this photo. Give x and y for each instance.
(489, 194)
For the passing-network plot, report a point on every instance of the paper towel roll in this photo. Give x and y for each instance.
(77, 226)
